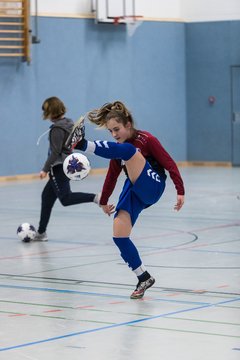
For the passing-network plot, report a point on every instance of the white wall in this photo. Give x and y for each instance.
(71, 7)
(159, 8)
(210, 10)
(148, 8)
(189, 10)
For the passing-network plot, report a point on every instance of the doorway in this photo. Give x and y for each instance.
(235, 77)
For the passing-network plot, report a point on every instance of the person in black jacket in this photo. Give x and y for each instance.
(58, 186)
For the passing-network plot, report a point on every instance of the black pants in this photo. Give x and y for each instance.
(58, 187)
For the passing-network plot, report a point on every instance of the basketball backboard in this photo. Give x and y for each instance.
(107, 11)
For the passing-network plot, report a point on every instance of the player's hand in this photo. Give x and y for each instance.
(108, 209)
(42, 174)
(180, 202)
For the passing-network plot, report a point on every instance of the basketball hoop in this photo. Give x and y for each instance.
(116, 20)
(132, 22)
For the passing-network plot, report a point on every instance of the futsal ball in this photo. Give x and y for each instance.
(26, 232)
(76, 166)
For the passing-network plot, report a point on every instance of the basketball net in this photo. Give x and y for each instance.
(132, 23)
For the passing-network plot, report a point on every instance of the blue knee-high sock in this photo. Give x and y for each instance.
(128, 252)
(108, 149)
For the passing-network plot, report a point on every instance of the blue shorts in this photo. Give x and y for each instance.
(145, 192)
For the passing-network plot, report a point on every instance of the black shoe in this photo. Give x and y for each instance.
(142, 286)
(77, 133)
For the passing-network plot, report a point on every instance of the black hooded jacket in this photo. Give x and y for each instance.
(58, 135)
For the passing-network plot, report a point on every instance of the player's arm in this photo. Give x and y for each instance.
(109, 185)
(180, 202)
(108, 209)
(166, 161)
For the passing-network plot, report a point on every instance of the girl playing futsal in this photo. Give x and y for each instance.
(58, 184)
(144, 161)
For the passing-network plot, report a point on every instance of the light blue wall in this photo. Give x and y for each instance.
(87, 65)
(212, 48)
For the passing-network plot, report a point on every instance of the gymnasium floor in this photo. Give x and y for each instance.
(69, 298)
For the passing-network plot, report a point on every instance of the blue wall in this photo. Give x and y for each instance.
(212, 48)
(87, 65)
(164, 73)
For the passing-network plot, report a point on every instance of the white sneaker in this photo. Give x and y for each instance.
(77, 133)
(41, 237)
(97, 198)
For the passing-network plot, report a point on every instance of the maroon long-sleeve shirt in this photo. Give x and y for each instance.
(154, 152)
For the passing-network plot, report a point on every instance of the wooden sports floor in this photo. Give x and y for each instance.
(68, 298)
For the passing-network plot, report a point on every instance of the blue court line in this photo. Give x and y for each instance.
(32, 288)
(127, 323)
(94, 330)
(61, 291)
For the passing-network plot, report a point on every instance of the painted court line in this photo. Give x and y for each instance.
(87, 293)
(115, 325)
